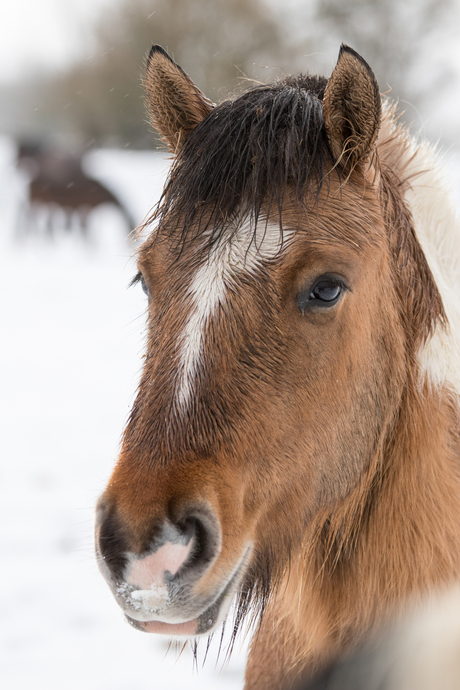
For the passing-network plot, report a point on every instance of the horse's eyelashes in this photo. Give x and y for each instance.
(325, 292)
(139, 278)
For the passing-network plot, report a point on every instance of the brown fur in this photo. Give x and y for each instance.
(176, 105)
(352, 109)
(314, 438)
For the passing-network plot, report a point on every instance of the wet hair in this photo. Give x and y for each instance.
(245, 157)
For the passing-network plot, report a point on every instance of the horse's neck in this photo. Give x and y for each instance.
(407, 545)
(408, 542)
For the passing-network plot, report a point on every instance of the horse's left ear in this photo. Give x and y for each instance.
(175, 104)
(352, 109)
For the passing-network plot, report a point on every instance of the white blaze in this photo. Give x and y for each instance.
(231, 256)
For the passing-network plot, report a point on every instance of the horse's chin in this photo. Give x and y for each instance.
(188, 629)
(206, 622)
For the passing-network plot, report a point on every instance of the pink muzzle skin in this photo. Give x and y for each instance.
(180, 629)
(148, 575)
(149, 618)
(151, 570)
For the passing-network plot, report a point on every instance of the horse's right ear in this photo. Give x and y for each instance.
(352, 109)
(175, 104)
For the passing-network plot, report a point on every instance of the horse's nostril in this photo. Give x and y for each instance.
(206, 544)
(178, 551)
(110, 542)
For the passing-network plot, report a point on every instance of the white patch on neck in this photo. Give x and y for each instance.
(231, 256)
(436, 223)
(438, 231)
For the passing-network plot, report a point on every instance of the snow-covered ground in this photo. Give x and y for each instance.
(71, 345)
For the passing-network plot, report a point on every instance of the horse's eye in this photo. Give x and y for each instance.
(325, 293)
(144, 285)
(139, 278)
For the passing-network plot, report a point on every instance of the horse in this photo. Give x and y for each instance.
(294, 443)
(58, 185)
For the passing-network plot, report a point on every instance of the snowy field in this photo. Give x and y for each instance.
(71, 343)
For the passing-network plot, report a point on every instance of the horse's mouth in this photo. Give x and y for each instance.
(206, 621)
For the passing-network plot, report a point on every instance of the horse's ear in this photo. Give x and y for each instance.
(175, 104)
(352, 109)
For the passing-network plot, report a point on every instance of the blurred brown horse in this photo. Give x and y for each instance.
(295, 437)
(60, 190)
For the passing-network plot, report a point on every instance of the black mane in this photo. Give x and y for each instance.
(246, 154)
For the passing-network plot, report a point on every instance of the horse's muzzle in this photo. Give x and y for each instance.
(163, 587)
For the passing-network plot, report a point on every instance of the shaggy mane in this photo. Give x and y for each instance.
(248, 152)
(426, 191)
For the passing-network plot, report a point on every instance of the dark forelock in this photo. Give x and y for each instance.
(245, 156)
